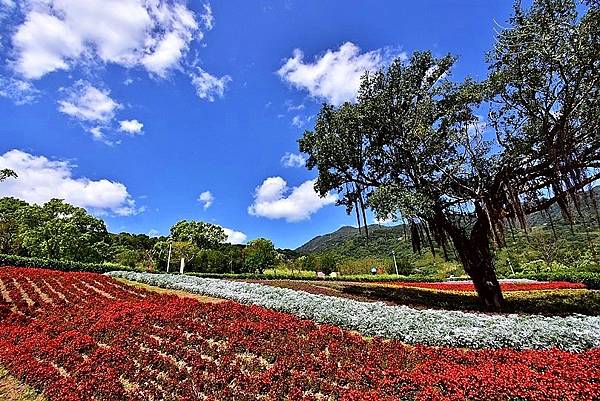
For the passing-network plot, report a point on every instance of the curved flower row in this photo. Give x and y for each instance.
(505, 286)
(428, 327)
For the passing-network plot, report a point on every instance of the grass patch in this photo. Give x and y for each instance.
(13, 390)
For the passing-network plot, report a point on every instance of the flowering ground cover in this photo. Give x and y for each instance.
(412, 326)
(561, 302)
(83, 336)
(463, 286)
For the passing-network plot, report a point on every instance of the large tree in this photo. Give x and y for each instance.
(57, 230)
(260, 254)
(414, 145)
(203, 235)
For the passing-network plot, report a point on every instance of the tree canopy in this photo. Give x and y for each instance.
(57, 230)
(201, 234)
(260, 255)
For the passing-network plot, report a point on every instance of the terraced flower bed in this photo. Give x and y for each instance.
(83, 336)
(430, 327)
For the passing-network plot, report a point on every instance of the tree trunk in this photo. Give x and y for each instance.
(477, 261)
(475, 255)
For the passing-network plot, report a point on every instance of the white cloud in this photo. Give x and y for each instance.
(19, 91)
(56, 34)
(168, 50)
(131, 126)
(293, 160)
(297, 121)
(98, 135)
(88, 103)
(335, 76)
(207, 18)
(206, 198)
(153, 233)
(41, 179)
(234, 237)
(387, 221)
(273, 199)
(208, 86)
(294, 107)
(44, 44)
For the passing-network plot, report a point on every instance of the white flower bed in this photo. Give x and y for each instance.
(412, 326)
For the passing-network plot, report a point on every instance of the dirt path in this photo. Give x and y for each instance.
(159, 290)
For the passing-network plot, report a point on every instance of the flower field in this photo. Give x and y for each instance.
(412, 326)
(84, 336)
(463, 286)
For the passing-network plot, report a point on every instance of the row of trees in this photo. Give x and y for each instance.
(60, 231)
(413, 145)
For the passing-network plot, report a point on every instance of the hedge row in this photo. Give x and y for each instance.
(561, 302)
(355, 278)
(591, 280)
(20, 261)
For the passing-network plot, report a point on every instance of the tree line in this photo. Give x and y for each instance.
(60, 231)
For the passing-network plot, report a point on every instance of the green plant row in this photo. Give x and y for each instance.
(20, 261)
(357, 277)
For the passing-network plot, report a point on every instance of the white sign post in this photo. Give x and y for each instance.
(182, 265)
(169, 258)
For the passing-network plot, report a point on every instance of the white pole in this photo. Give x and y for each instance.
(395, 264)
(169, 258)
(181, 266)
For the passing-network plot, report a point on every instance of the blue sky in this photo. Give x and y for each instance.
(134, 108)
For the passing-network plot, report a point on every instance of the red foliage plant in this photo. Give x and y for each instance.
(84, 336)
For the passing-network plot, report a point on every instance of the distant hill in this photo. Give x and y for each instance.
(347, 241)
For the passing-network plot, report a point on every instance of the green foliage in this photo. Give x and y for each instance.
(58, 230)
(328, 263)
(20, 261)
(10, 212)
(202, 235)
(260, 255)
(361, 266)
(7, 173)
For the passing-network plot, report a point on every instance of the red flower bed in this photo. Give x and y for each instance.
(81, 336)
(468, 287)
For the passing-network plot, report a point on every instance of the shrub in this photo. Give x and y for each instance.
(63, 265)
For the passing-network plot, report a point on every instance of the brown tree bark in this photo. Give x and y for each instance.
(475, 255)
